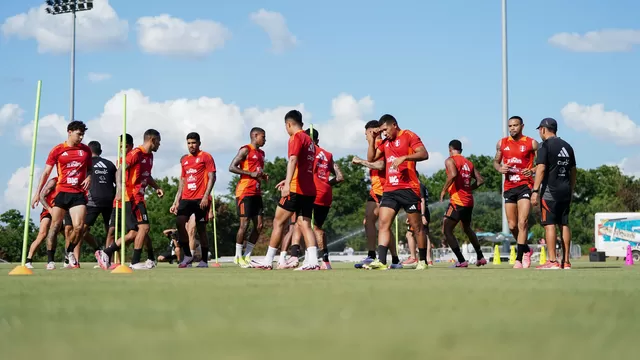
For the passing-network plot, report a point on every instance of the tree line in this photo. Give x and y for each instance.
(603, 189)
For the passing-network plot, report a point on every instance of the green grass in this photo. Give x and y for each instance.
(590, 312)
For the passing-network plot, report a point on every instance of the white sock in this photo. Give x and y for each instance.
(271, 253)
(247, 251)
(238, 250)
(312, 256)
(283, 258)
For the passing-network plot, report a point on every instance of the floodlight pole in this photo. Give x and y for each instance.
(505, 103)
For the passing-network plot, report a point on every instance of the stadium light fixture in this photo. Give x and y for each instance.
(58, 7)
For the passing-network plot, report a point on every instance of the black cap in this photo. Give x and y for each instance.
(549, 123)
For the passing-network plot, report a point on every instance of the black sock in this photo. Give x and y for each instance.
(520, 252)
(185, 249)
(395, 259)
(382, 254)
(50, 254)
(422, 254)
(172, 258)
(205, 253)
(459, 254)
(479, 253)
(71, 247)
(526, 248)
(295, 250)
(111, 249)
(325, 255)
(371, 254)
(29, 260)
(150, 255)
(137, 254)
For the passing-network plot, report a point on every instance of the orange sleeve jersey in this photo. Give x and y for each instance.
(139, 165)
(405, 176)
(322, 170)
(377, 178)
(460, 191)
(195, 174)
(248, 186)
(518, 155)
(116, 201)
(300, 145)
(72, 164)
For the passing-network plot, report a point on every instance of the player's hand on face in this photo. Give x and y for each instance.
(174, 209)
(204, 203)
(160, 193)
(504, 169)
(86, 183)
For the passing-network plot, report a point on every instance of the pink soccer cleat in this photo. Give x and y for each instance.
(481, 262)
(549, 266)
(103, 259)
(325, 265)
(526, 259)
(518, 265)
(307, 268)
(258, 265)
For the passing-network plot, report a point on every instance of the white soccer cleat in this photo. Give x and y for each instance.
(150, 263)
(72, 260)
(139, 266)
(103, 259)
(28, 266)
(308, 268)
(51, 266)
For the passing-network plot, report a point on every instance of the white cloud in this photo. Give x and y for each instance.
(608, 125)
(97, 77)
(433, 164)
(607, 40)
(96, 29)
(275, 25)
(630, 166)
(9, 114)
(166, 35)
(16, 191)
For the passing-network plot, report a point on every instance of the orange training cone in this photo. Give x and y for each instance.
(21, 270)
(122, 269)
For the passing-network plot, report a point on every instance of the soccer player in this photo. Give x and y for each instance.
(462, 179)
(401, 149)
(249, 164)
(197, 177)
(514, 158)
(298, 193)
(426, 219)
(173, 249)
(47, 195)
(72, 159)
(555, 182)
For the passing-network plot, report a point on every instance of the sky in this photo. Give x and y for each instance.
(220, 68)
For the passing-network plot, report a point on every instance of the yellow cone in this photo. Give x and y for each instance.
(512, 255)
(21, 270)
(543, 255)
(122, 269)
(496, 256)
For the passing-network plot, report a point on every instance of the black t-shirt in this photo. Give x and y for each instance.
(103, 182)
(558, 157)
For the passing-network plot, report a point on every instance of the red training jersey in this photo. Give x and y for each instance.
(377, 178)
(139, 164)
(126, 190)
(322, 170)
(460, 191)
(404, 177)
(72, 164)
(52, 194)
(195, 174)
(300, 145)
(248, 186)
(518, 155)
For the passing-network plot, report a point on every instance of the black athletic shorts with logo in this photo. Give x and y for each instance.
(320, 214)
(554, 212)
(377, 198)
(66, 200)
(192, 207)
(512, 196)
(401, 199)
(459, 213)
(301, 205)
(130, 219)
(94, 211)
(250, 206)
(67, 220)
(140, 212)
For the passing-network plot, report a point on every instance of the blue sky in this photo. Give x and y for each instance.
(435, 65)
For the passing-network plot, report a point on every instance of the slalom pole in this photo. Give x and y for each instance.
(215, 230)
(122, 268)
(313, 213)
(116, 256)
(22, 269)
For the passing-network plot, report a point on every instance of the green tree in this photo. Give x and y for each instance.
(12, 234)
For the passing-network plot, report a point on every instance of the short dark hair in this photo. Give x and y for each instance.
(129, 139)
(295, 116)
(151, 133)
(315, 134)
(455, 145)
(77, 125)
(193, 136)
(372, 124)
(95, 147)
(517, 118)
(387, 119)
(257, 130)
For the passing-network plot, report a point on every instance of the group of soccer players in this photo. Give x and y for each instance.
(88, 185)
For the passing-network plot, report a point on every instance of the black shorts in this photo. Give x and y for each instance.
(320, 214)
(192, 207)
(67, 220)
(140, 212)
(401, 199)
(459, 213)
(301, 205)
(512, 196)
(554, 212)
(130, 219)
(249, 206)
(45, 215)
(93, 212)
(65, 200)
(375, 199)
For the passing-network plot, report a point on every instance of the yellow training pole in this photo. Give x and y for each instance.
(22, 269)
(116, 255)
(215, 231)
(122, 268)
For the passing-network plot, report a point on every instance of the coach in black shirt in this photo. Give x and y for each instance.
(554, 184)
(103, 188)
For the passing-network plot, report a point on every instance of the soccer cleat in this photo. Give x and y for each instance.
(395, 266)
(518, 265)
(202, 264)
(242, 262)
(113, 266)
(526, 259)
(51, 265)
(150, 263)
(73, 263)
(481, 262)
(290, 263)
(325, 265)
(364, 262)
(139, 266)
(28, 265)
(422, 265)
(461, 265)
(258, 265)
(103, 259)
(375, 265)
(566, 266)
(307, 268)
(186, 262)
(236, 260)
(549, 266)
(410, 263)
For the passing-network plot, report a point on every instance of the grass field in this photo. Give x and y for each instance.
(589, 312)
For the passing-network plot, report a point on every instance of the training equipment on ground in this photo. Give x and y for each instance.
(122, 268)
(512, 255)
(496, 256)
(629, 258)
(215, 232)
(543, 255)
